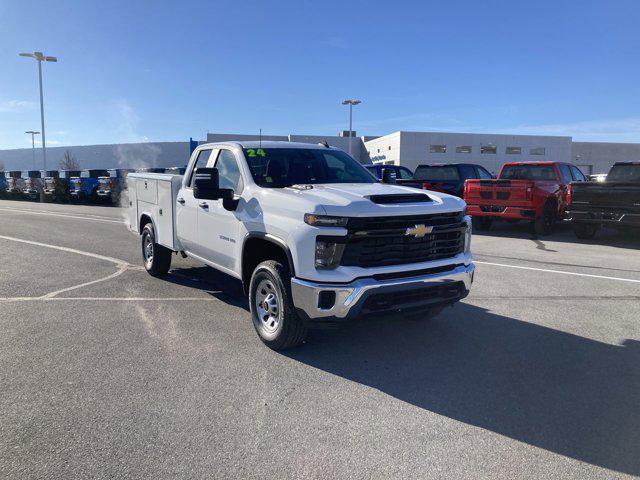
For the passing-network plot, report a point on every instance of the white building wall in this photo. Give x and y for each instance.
(598, 157)
(120, 155)
(411, 149)
(385, 150)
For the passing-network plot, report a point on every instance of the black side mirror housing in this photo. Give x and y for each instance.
(206, 185)
(388, 175)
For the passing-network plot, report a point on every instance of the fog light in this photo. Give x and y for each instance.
(326, 299)
(328, 254)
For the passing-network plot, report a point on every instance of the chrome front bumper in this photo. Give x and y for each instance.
(350, 297)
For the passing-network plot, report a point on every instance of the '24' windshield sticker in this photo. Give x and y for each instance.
(254, 153)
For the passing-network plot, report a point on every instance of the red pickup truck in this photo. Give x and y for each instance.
(535, 191)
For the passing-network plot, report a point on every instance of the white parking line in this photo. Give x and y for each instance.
(121, 264)
(94, 218)
(109, 299)
(559, 271)
(120, 271)
(117, 261)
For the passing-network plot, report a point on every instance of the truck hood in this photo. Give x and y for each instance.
(351, 199)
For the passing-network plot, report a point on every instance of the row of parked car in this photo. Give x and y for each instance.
(92, 185)
(538, 192)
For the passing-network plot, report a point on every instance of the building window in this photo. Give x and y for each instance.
(437, 149)
(463, 149)
(537, 151)
(513, 150)
(488, 148)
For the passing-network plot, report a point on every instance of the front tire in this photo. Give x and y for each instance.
(482, 224)
(272, 311)
(157, 259)
(585, 231)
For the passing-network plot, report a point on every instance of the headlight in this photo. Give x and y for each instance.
(328, 254)
(467, 235)
(324, 220)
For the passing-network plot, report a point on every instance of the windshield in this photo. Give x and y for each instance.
(528, 172)
(624, 173)
(425, 172)
(281, 167)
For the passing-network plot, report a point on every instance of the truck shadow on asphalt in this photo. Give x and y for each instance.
(561, 392)
(217, 284)
(563, 232)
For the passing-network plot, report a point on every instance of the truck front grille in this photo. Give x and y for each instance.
(380, 241)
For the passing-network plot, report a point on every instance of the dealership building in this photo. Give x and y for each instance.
(408, 149)
(411, 149)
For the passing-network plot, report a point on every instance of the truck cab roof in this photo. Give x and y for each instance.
(537, 163)
(448, 164)
(265, 144)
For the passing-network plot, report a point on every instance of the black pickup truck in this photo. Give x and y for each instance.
(614, 202)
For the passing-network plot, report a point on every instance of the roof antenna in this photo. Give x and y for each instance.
(260, 138)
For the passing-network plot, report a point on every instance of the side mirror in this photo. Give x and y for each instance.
(206, 185)
(388, 175)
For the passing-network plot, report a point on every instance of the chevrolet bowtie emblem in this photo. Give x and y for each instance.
(419, 231)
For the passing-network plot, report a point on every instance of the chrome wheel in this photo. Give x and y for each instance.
(147, 249)
(267, 303)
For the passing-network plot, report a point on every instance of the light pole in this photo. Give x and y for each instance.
(33, 146)
(40, 57)
(351, 103)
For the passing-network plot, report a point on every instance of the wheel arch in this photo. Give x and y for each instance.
(144, 219)
(258, 247)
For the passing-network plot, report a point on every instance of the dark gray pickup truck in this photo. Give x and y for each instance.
(614, 202)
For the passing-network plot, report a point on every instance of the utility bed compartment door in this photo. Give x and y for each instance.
(165, 214)
(147, 190)
(131, 196)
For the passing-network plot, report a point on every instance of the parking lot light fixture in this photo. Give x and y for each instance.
(351, 103)
(41, 57)
(33, 145)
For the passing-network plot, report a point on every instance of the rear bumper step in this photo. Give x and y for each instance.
(502, 211)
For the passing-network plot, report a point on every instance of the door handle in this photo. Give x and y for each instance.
(204, 205)
(180, 200)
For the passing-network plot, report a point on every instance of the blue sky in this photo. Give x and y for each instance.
(160, 71)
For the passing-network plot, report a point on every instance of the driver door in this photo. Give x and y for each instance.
(187, 205)
(218, 228)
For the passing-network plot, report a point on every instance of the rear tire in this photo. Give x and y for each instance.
(272, 311)
(157, 259)
(544, 225)
(482, 224)
(585, 231)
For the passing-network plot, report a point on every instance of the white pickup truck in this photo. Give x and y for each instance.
(314, 237)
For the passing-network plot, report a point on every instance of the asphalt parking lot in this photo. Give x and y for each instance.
(106, 372)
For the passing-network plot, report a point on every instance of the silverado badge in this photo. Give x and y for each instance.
(419, 231)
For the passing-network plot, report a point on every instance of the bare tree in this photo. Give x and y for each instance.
(69, 162)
